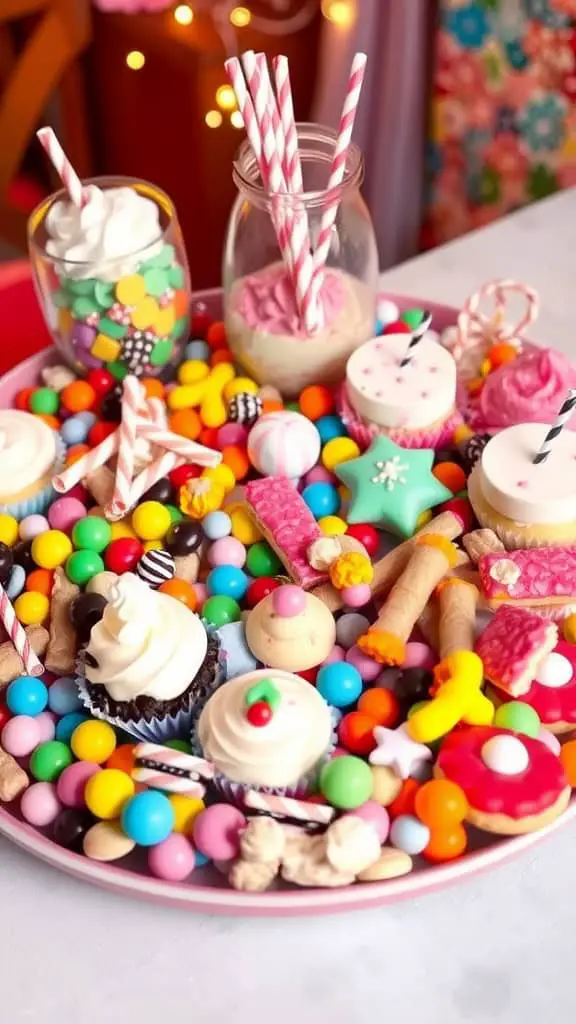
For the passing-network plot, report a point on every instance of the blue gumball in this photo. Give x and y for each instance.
(65, 727)
(227, 581)
(329, 427)
(322, 499)
(197, 349)
(148, 818)
(340, 683)
(409, 834)
(217, 525)
(63, 696)
(27, 695)
(74, 431)
(16, 583)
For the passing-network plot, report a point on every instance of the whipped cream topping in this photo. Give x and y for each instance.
(107, 238)
(278, 754)
(147, 644)
(27, 451)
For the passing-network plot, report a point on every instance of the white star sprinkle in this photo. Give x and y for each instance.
(398, 751)
(390, 473)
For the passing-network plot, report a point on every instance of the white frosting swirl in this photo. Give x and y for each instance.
(108, 237)
(277, 754)
(27, 451)
(147, 644)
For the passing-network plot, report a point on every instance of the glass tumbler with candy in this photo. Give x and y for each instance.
(110, 271)
(300, 260)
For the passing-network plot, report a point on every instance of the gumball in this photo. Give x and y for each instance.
(32, 608)
(519, 717)
(397, 327)
(70, 827)
(227, 581)
(63, 695)
(32, 526)
(220, 610)
(27, 695)
(217, 525)
(338, 450)
(93, 533)
(288, 601)
(123, 555)
(403, 803)
(346, 782)
(156, 567)
(349, 627)
(322, 499)
(217, 830)
(367, 667)
(461, 508)
(65, 513)
(381, 706)
(568, 759)
(147, 818)
(337, 654)
(20, 735)
(181, 474)
(151, 521)
(161, 492)
(101, 380)
(244, 527)
(121, 530)
(413, 685)
(85, 611)
(44, 400)
(51, 549)
(16, 583)
(40, 581)
(339, 683)
(72, 783)
(83, 565)
(6, 563)
(176, 515)
(181, 591)
(356, 596)
(451, 475)
(78, 396)
(107, 791)
(440, 804)
(99, 432)
(186, 810)
(329, 427)
(316, 401)
(261, 560)
(365, 535)
(259, 589)
(49, 760)
(418, 655)
(227, 551)
(183, 538)
(8, 529)
(235, 435)
(356, 733)
(446, 844)
(93, 741)
(409, 834)
(68, 723)
(46, 722)
(173, 859)
(283, 443)
(376, 815)
(39, 804)
(387, 311)
(332, 526)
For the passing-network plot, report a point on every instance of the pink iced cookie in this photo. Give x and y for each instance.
(287, 524)
(512, 647)
(534, 576)
(552, 693)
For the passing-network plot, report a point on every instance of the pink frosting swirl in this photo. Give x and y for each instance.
(267, 301)
(530, 389)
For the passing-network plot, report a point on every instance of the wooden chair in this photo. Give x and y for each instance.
(46, 65)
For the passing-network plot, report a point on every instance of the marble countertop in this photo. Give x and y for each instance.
(495, 948)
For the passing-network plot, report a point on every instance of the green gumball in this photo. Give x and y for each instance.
(82, 565)
(518, 717)
(346, 782)
(261, 560)
(93, 533)
(219, 611)
(49, 760)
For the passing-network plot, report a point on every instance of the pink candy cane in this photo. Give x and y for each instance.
(17, 634)
(288, 807)
(62, 166)
(132, 398)
(474, 326)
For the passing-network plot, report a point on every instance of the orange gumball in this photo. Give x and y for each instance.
(79, 396)
(22, 400)
(381, 705)
(502, 353)
(40, 580)
(76, 452)
(237, 460)
(221, 355)
(154, 388)
(404, 802)
(356, 733)
(209, 437)
(216, 335)
(568, 759)
(185, 422)
(451, 475)
(446, 844)
(51, 421)
(123, 758)
(441, 804)
(181, 591)
(271, 405)
(316, 401)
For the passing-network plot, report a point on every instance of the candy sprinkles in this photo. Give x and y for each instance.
(243, 643)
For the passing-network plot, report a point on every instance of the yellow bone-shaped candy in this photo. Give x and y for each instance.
(458, 699)
(206, 392)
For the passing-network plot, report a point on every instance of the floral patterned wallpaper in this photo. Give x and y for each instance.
(503, 118)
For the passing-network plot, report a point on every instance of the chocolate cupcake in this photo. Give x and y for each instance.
(149, 665)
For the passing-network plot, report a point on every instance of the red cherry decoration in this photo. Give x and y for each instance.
(123, 555)
(260, 589)
(259, 714)
(365, 535)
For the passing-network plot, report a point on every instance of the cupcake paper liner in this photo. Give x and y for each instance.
(37, 503)
(437, 435)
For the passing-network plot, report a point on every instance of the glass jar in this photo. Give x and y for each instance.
(264, 325)
(108, 301)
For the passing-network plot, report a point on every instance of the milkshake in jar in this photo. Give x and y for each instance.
(112, 277)
(266, 328)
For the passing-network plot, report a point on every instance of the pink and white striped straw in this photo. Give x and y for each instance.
(71, 476)
(132, 400)
(17, 634)
(49, 142)
(338, 167)
(288, 807)
(180, 450)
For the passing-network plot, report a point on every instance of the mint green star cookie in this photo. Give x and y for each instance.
(392, 486)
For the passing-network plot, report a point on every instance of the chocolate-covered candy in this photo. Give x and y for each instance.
(71, 826)
(85, 611)
(22, 555)
(6, 563)
(184, 538)
(413, 685)
(161, 491)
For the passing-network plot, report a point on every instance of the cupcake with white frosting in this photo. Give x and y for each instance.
(31, 453)
(267, 730)
(149, 664)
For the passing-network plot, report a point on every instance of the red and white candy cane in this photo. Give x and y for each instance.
(62, 166)
(172, 761)
(132, 400)
(288, 807)
(17, 634)
(475, 326)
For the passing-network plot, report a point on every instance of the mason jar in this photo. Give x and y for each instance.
(112, 277)
(291, 321)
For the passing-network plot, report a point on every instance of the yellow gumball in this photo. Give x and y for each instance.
(121, 529)
(93, 741)
(222, 475)
(107, 791)
(244, 527)
(240, 386)
(32, 608)
(339, 449)
(186, 809)
(153, 545)
(8, 530)
(151, 520)
(332, 526)
(51, 549)
(192, 371)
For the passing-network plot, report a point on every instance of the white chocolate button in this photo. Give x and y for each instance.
(505, 755)
(395, 396)
(555, 671)
(528, 493)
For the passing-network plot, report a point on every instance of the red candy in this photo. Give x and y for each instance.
(199, 325)
(355, 732)
(365, 535)
(260, 589)
(461, 508)
(101, 381)
(123, 555)
(99, 432)
(181, 474)
(259, 714)
(5, 714)
(216, 335)
(397, 327)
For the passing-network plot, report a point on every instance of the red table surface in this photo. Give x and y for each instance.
(22, 327)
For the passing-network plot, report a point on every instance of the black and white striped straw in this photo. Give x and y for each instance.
(417, 336)
(566, 410)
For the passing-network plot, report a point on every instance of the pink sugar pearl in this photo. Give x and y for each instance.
(375, 815)
(21, 735)
(336, 654)
(65, 513)
(32, 526)
(173, 859)
(320, 475)
(356, 596)
(367, 667)
(39, 804)
(418, 655)
(232, 433)
(227, 551)
(201, 592)
(47, 722)
(288, 601)
(216, 831)
(72, 782)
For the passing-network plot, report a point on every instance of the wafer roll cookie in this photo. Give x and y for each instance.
(100, 483)
(63, 643)
(428, 624)
(458, 602)
(481, 542)
(11, 664)
(409, 596)
(13, 778)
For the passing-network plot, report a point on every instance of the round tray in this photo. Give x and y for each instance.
(206, 890)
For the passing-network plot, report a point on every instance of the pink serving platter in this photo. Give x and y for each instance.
(206, 890)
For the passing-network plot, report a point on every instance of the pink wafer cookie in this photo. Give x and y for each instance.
(512, 647)
(533, 576)
(288, 525)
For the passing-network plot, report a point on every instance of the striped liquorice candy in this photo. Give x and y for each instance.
(156, 567)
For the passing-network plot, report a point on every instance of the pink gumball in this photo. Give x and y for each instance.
(288, 601)
(227, 551)
(232, 433)
(65, 513)
(72, 782)
(216, 831)
(173, 859)
(201, 592)
(418, 655)
(320, 475)
(375, 815)
(21, 735)
(336, 654)
(39, 804)
(47, 723)
(356, 596)
(367, 667)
